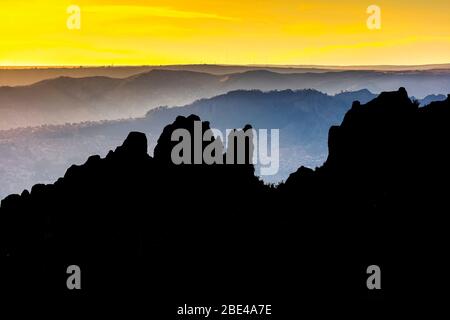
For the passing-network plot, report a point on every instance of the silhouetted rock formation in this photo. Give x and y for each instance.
(174, 231)
(380, 197)
(130, 211)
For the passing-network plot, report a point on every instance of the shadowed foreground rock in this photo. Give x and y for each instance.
(145, 230)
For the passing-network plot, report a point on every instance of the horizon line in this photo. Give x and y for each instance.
(285, 66)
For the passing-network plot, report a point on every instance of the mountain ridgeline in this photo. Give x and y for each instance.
(94, 98)
(42, 154)
(142, 226)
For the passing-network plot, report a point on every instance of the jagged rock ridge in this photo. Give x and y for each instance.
(377, 199)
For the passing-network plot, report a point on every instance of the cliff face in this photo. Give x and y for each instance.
(381, 194)
(380, 198)
(387, 147)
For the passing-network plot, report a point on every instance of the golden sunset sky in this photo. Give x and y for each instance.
(138, 32)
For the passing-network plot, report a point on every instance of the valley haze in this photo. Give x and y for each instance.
(71, 113)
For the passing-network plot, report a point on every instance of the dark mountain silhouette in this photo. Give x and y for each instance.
(143, 228)
(381, 194)
(110, 221)
(69, 100)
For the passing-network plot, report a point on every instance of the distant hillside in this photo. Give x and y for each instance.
(41, 154)
(10, 76)
(69, 100)
(431, 98)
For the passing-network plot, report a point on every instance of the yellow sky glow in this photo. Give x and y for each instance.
(138, 32)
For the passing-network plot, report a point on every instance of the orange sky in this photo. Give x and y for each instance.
(138, 32)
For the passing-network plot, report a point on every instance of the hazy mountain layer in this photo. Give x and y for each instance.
(10, 76)
(69, 100)
(41, 155)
